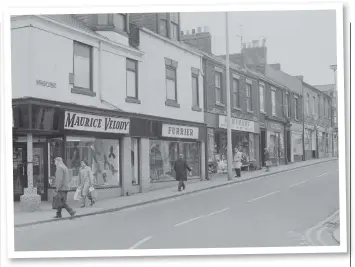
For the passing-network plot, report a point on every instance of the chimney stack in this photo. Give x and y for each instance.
(193, 31)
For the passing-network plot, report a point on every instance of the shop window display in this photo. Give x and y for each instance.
(163, 155)
(102, 155)
(275, 145)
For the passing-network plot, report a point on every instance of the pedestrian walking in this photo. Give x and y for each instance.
(180, 168)
(237, 161)
(267, 159)
(62, 187)
(86, 182)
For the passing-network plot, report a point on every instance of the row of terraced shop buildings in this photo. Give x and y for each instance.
(128, 93)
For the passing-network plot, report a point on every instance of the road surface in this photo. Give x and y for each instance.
(275, 211)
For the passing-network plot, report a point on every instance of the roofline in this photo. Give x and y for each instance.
(174, 43)
(314, 88)
(121, 46)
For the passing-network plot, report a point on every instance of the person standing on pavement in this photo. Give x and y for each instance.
(267, 159)
(86, 181)
(180, 168)
(62, 186)
(237, 161)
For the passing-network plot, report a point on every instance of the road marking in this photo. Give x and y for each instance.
(322, 175)
(298, 183)
(191, 220)
(140, 242)
(263, 196)
(218, 211)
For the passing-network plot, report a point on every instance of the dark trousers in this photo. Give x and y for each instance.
(238, 172)
(181, 184)
(63, 196)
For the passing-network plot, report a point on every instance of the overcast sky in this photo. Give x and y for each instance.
(303, 42)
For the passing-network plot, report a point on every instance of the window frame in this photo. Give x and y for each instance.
(75, 87)
(135, 71)
(195, 76)
(249, 97)
(172, 25)
(286, 106)
(296, 108)
(273, 102)
(219, 74)
(164, 19)
(314, 105)
(172, 68)
(235, 91)
(262, 105)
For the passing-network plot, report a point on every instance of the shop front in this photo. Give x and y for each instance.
(245, 136)
(296, 142)
(310, 141)
(75, 135)
(167, 140)
(275, 142)
(323, 143)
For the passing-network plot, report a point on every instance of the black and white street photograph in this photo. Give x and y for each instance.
(177, 130)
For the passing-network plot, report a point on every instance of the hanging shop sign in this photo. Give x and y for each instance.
(178, 131)
(238, 124)
(94, 123)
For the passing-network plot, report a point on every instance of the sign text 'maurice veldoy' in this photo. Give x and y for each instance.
(87, 122)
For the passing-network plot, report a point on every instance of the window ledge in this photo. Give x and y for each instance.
(133, 100)
(82, 91)
(172, 103)
(262, 112)
(250, 111)
(198, 109)
(220, 104)
(237, 109)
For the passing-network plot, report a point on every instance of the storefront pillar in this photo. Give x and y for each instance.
(126, 166)
(144, 165)
(30, 200)
(203, 161)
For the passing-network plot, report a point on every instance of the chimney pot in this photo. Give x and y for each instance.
(193, 31)
(199, 29)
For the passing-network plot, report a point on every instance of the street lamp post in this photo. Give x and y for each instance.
(228, 106)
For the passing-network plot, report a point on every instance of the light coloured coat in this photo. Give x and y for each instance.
(237, 160)
(86, 180)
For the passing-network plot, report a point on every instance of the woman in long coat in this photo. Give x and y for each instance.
(86, 181)
(237, 162)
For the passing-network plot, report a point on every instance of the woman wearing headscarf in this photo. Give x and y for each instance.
(86, 181)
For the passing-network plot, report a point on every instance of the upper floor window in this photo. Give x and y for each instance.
(218, 87)
(273, 102)
(249, 97)
(297, 115)
(132, 78)
(163, 26)
(174, 26)
(235, 85)
(171, 85)
(287, 106)
(261, 97)
(307, 106)
(82, 66)
(119, 20)
(314, 106)
(195, 94)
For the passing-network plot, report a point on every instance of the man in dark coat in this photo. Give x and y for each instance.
(180, 168)
(62, 186)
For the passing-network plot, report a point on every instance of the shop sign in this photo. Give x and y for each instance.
(296, 127)
(178, 131)
(93, 123)
(274, 126)
(237, 124)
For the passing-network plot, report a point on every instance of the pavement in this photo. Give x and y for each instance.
(284, 208)
(45, 213)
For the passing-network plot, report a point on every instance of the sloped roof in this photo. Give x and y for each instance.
(324, 87)
(70, 20)
(293, 83)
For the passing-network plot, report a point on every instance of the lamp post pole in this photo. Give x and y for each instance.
(228, 106)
